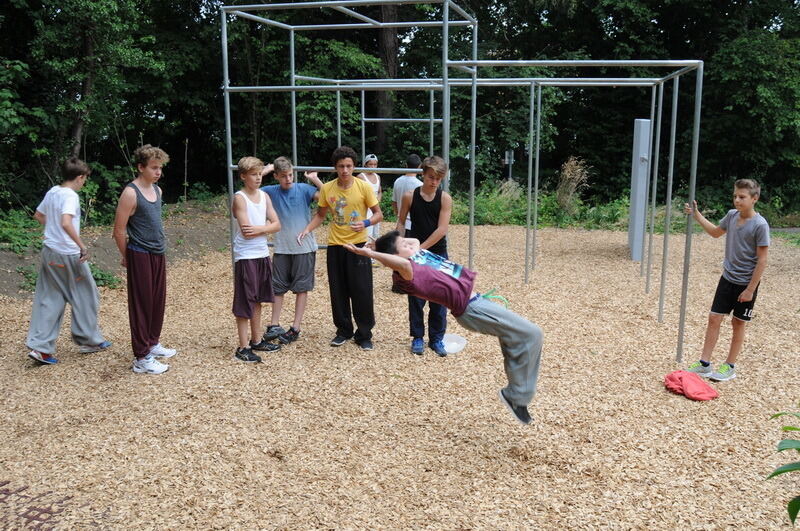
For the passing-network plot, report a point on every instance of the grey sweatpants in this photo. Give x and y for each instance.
(63, 279)
(520, 341)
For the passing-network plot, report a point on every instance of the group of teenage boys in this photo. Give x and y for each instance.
(416, 252)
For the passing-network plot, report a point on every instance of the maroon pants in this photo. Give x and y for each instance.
(147, 296)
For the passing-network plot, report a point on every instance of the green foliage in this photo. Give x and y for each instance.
(201, 192)
(793, 507)
(19, 231)
(104, 278)
(29, 276)
(790, 237)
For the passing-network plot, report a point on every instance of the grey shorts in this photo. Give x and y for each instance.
(293, 272)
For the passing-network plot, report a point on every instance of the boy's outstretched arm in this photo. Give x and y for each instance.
(392, 261)
(709, 227)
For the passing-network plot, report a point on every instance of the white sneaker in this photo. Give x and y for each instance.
(159, 351)
(149, 365)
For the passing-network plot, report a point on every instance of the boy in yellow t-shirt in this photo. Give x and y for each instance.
(349, 275)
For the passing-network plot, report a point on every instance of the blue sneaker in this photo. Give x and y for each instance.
(417, 346)
(43, 358)
(438, 348)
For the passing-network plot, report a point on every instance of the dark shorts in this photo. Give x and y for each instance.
(726, 299)
(252, 284)
(293, 272)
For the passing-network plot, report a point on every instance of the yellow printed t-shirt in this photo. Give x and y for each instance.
(346, 206)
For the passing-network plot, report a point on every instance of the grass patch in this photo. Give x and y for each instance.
(792, 238)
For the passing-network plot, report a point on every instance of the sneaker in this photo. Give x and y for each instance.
(698, 368)
(365, 344)
(520, 412)
(247, 355)
(41, 357)
(264, 346)
(417, 346)
(159, 351)
(338, 341)
(438, 348)
(724, 373)
(272, 332)
(88, 349)
(149, 365)
(289, 336)
(375, 263)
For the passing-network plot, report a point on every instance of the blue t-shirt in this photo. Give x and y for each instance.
(292, 207)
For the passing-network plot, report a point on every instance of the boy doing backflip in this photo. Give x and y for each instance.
(293, 262)
(64, 275)
(252, 275)
(140, 238)
(430, 208)
(746, 246)
(428, 276)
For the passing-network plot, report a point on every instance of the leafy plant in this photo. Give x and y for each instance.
(104, 278)
(29, 276)
(19, 231)
(793, 507)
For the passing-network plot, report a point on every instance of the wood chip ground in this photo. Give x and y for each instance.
(323, 437)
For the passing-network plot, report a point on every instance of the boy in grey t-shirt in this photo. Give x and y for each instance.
(746, 246)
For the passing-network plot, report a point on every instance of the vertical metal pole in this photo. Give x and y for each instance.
(293, 97)
(654, 189)
(530, 182)
(430, 127)
(472, 139)
(446, 91)
(668, 200)
(228, 135)
(363, 129)
(536, 175)
(649, 167)
(338, 118)
(687, 253)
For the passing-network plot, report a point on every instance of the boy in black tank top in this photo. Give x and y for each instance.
(140, 239)
(430, 208)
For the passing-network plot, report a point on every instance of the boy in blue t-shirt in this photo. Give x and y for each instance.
(746, 246)
(292, 261)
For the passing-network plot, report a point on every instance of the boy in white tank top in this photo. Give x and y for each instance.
(252, 277)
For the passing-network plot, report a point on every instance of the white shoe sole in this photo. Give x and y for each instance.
(721, 379)
(137, 370)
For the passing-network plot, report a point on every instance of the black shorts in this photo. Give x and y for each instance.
(293, 272)
(252, 284)
(726, 299)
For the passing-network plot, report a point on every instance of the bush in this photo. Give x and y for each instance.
(19, 231)
(793, 507)
(101, 277)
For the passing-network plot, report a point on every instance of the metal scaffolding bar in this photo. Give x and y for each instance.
(668, 200)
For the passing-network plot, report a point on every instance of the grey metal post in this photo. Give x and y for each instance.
(430, 132)
(536, 175)
(294, 96)
(668, 200)
(687, 253)
(472, 136)
(530, 182)
(228, 141)
(446, 91)
(654, 189)
(649, 167)
(338, 118)
(363, 129)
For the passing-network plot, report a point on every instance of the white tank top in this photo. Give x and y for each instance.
(249, 248)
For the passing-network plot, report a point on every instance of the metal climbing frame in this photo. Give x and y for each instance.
(446, 83)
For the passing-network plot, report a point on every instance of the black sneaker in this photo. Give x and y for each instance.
(264, 346)
(247, 355)
(289, 336)
(365, 344)
(272, 332)
(338, 341)
(520, 412)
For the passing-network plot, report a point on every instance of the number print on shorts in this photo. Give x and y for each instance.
(748, 313)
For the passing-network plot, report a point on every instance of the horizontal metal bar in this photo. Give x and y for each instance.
(578, 63)
(354, 26)
(262, 20)
(359, 16)
(677, 73)
(341, 3)
(501, 80)
(332, 88)
(331, 169)
(314, 78)
(466, 69)
(424, 120)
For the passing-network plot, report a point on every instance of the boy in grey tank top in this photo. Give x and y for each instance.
(746, 246)
(140, 239)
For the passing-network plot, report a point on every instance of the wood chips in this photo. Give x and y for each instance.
(323, 437)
